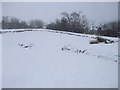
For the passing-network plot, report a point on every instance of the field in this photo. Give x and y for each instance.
(42, 58)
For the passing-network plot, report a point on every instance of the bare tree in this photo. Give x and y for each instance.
(23, 24)
(36, 24)
(14, 23)
(73, 22)
(5, 22)
(109, 29)
(10, 23)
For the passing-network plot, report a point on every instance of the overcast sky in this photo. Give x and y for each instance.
(48, 12)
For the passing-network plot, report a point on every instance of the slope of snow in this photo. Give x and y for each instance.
(54, 31)
(44, 59)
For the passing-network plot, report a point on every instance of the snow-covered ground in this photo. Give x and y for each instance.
(54, 59)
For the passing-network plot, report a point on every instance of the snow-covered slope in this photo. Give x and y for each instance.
(53, 59)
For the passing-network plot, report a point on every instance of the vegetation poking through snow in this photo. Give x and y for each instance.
(101, 40)
(26, 46)
(73, 49)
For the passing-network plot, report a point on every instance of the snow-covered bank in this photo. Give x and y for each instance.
(55, 31)
(42, 58)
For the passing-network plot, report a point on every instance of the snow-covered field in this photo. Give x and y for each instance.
(55, 59)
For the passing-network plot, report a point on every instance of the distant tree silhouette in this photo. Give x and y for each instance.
(14, 23)
(109, 29)
(73, 22)
(36, 24)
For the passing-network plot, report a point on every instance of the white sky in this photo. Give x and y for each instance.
(48, 11)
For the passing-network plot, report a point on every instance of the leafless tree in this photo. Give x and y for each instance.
(73, 22)
(109, 29)
(36, 24)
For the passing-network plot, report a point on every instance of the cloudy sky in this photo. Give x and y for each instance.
(99, 12)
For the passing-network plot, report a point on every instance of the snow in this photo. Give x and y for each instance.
(45, 58)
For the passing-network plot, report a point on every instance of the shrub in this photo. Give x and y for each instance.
(99, 39)
(94, 42)
(19, 31)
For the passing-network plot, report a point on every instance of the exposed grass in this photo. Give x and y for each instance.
(93, 42)
(101, 40)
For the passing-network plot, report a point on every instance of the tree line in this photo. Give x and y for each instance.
(14, 23)
(71, 22)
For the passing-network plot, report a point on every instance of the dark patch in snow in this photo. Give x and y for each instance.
(101, 40)
(16, 31)
(115, 60)
(72, 49)
(26, 46)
